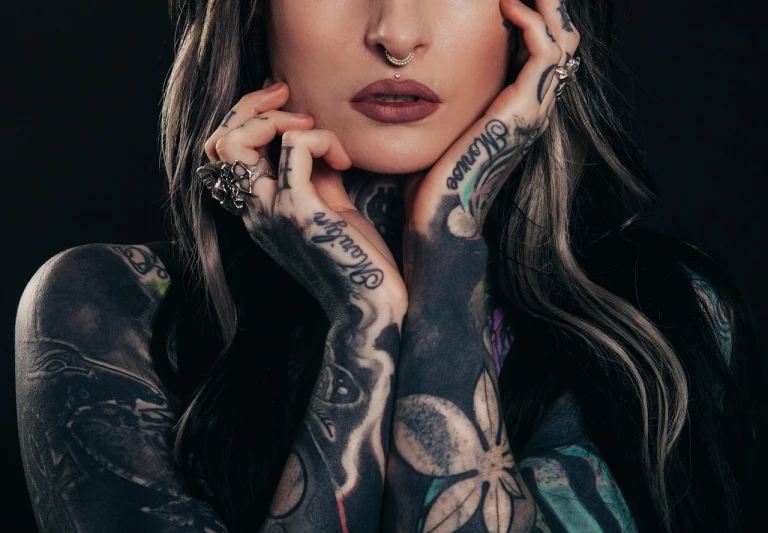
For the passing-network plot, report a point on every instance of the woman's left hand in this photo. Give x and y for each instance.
(474, 168)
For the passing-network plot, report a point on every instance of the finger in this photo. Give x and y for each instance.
(260, 203)
(299, 148)
(249, 106)
(251, 140)
(536, 75)
(564, 32)
(297, 198)
(555, 12)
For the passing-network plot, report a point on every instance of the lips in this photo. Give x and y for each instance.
(390, 112)
(396, 88)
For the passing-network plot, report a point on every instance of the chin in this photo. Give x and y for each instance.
(402, 157)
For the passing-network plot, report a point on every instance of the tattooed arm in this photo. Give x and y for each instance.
(94, 419)
(334, 477)
(451, 468)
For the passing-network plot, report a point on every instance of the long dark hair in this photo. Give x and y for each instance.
(600, 304)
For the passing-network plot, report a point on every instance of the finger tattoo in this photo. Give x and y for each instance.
(549, 34)
(565, 18)
(285, 168)
(543, 85)
(226, 119)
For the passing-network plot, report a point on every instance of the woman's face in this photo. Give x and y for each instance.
(328, 50)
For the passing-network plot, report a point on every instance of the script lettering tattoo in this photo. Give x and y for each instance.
(493, 141)
(565, 18)
(285, 168)
(545, 82)
(362, 270)
(225, 123)
(480, 172)
(95, 423)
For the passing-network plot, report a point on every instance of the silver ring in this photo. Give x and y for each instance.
(567, 72)
(567, 75)
(398, 62)
(230, 184)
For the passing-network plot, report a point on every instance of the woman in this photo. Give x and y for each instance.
(436, 314)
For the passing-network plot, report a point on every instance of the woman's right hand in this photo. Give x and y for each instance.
(304, 219)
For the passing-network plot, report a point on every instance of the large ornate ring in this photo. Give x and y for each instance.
(229, 184)
(566, 74)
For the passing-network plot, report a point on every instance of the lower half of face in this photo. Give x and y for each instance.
(327, 51)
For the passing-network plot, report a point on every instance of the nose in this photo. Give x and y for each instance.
(399, 26)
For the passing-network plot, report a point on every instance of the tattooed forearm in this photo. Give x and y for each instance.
(487, 164)
(333, 479)
(451, 466)
(94, 420)
(362, 270)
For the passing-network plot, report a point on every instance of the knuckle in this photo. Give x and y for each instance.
(292, 137)
(535, 16)
(210, 149)
(252, 101)
(221, 147)
(255, 109)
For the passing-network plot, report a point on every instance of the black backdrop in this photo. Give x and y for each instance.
(80, 152)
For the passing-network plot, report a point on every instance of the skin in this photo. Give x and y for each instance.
(375, 221)
(328, 51)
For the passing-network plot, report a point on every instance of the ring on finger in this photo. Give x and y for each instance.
(566, 74)
(229, 184)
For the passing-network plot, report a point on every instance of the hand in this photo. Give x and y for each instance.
(474, 168)
(304, 219)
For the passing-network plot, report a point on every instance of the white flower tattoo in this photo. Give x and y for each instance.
(437, 439)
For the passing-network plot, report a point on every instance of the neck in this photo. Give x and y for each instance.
(379, 198)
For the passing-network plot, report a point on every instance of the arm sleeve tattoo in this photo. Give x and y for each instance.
(334, 476)
(450, 467)
(94, 419)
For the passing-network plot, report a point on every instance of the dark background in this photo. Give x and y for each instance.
(80, 150)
